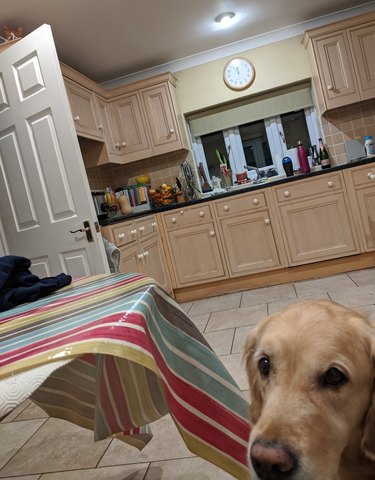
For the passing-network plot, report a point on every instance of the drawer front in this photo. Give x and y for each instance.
(145, 226)
(187, 216)
(310, 187)
(240, 203)
(124, 234)
(363, 176)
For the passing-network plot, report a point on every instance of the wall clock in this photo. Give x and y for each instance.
(239, 73)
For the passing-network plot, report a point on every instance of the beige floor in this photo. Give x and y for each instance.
(34, 447)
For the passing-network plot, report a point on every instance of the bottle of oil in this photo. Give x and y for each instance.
(323, 155)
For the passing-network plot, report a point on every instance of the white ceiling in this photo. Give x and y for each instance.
(108, 39)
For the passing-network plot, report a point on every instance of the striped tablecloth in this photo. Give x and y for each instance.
(113, 353)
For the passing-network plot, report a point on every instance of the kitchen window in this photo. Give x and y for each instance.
(261, 143)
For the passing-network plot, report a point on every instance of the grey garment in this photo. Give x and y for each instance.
(113, 255)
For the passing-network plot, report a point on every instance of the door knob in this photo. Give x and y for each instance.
(87, 229)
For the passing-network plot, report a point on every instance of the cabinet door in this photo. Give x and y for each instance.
(129, 262)
(249, 243)
(196, 254)
(336, 70)
(366, 203)
(318, 229)
(83, 107)
(161, 119)
(107, 120)
(134, 143)
(153, 261)
(363, 46)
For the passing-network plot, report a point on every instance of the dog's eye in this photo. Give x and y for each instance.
(264, 366)
(333, 377)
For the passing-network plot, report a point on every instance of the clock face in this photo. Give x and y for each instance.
(239, 73)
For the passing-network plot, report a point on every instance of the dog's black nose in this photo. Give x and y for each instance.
(271, 460)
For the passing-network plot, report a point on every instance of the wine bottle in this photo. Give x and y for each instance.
(315, 156)
(323, 155)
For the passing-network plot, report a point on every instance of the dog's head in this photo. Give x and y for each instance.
(311, 373)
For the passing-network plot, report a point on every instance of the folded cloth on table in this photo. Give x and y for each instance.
(113, 255)
(18, 285)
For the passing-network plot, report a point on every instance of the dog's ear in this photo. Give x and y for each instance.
(256, 398)
(368, 438)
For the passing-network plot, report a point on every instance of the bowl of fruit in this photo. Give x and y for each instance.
(164, 195)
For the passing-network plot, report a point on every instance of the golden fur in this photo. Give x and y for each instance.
(330, 430)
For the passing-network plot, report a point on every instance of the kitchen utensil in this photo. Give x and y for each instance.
(205, 186)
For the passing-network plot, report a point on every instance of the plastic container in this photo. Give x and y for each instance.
(302, 158)
(369, 145)
(288, 166)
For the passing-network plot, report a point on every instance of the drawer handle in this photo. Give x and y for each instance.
(140, 255)
(371, 176)
(212, 233)
(77, 118)
(173, 220)
(133, 232)
(201, 214)
(181, 212)
(141, 229)
(121, 235)
(146, 253)
(117, 145)
(153, 224)
(171, 131)
(100, 127)
(123, 144)
(255, 201)
(286, 193)
(226, 208)
(330, 184)
(330, 87)
(266, 221)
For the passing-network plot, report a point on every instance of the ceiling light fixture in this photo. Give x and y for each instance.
(225, 19)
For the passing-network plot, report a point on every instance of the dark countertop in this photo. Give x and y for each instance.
(121, 218)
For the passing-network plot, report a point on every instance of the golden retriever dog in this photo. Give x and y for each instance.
(311, 375)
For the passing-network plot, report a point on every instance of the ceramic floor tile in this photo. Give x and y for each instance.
(200, 321)
(308, 288)
(235, 366)
(369, 311)
(57, 446)
(268, 294)
(24, 477)
(240, 336)
(124, 472)
(12, 437)
(354, 298)
(31, 412)
(166, 444)
(12, 415)
(186, 469)
(274, 307)
(220, 341)
(237, 317)
(363, 277)
(186, 306)
(215, 304)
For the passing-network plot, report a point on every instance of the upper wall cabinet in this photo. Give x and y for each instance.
(342, 61)
(84, 111)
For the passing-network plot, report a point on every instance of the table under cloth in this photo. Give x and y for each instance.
(114, 353)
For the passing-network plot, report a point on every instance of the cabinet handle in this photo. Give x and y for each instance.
(140, 255)
(173, 220)
(117, 145)
(255, 201)
(141, 229)
(153, 224)
(123, 144)
(146, 254)
(133, 232)
(286, 193)
(266, 221)
(330, 87)
(212, 233)
(181, 212)
(201, 214)
(371, 176)
(121, 235)
(77, 118)
(171, 131)
(226, 208)
(100, 127)
(330, 184)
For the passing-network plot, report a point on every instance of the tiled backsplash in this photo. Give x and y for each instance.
(347, 123)
(162, 169)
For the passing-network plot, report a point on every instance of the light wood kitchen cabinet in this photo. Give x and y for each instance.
(140, 248)
(342, 61)
(194, 246)
(84, 111)
(248, 230)
(361, 188)
(315, 219)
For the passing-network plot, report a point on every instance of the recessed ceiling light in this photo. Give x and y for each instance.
(225, 19)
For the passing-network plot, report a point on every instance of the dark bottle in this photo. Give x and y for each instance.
(315, 156)
(302, 158)
(323, 155)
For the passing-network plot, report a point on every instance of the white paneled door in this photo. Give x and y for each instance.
(44, 191)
